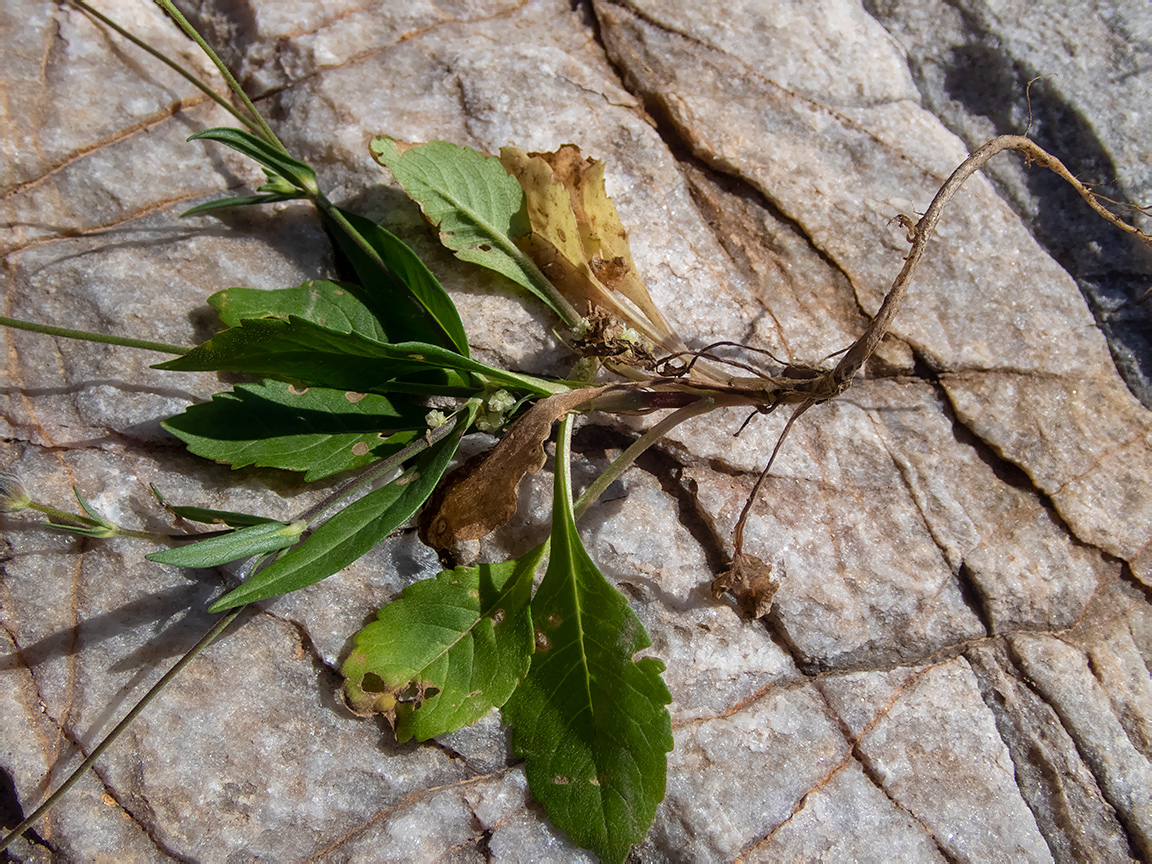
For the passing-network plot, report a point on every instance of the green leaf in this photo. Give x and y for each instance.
(478, 208)
(590, 721)
(97, 531)
(317, 430)
(332, 305)
(96, 518)
(215, 517)
(354, 530)
(404, 278)
(275, 161)
(448, 651)
(304, 351)
(242, 543)
(301, 350)
(239, 201)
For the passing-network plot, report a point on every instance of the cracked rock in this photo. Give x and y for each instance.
(955, 666)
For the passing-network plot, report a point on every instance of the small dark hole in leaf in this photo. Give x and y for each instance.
(431, 691)
(373, 683)
(484, 247)
(412, 691)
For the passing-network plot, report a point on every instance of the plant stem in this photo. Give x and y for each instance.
(85, 336)
(263, 128)
(163, 58)
(204, 642)
(391, 463)
(64, 521)
(632, 453)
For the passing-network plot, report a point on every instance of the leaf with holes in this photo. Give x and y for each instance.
(316, 430)
(448, 651)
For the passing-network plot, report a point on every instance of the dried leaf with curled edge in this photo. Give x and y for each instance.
(577, 239)
(603, 236)
(480, 495)
(752, 582)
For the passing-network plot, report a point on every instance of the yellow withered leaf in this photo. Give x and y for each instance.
(577, 239)
(603, 236)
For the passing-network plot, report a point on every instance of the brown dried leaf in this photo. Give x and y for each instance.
(480, 495)
(752, 582)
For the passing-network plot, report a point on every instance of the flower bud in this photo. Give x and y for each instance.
(13, 495)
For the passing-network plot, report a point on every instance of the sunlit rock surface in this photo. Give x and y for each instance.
(955, 667)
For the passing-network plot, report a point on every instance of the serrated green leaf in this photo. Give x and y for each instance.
(275, 161)
(304, 351)
(332, 305)
(354, 530)
(233, 546)
(589, 721)
(316, 430)
(477, 207)
(448, 651)
(404, 279)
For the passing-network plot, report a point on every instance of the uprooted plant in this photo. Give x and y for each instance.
(344, 372)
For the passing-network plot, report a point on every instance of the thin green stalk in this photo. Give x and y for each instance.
(378, 470)
(204, 642)
(264, 130)
(85, 336)
(621, 463)
(166, 60)
(67, 520)
(333, 212)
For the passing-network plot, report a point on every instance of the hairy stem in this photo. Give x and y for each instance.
(85, 336)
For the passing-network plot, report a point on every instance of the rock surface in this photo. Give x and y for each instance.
(955, 667)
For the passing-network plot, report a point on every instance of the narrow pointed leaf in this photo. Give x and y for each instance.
(405, 278)
(589, 721)
(230, 518)
(97, 519)
(294, 171)
(301, 350)
(239, 201)
(98, 531)
(304, 351)
(233, 546)
(477, 207)
(353, 531)
(448, 651)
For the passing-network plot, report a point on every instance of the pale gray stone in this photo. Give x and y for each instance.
(956, 662)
